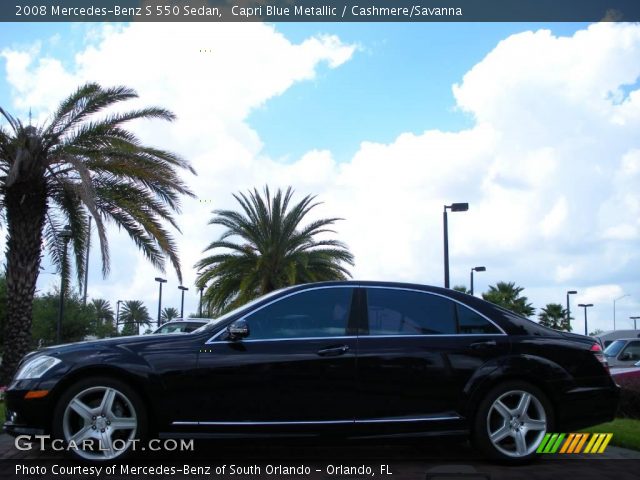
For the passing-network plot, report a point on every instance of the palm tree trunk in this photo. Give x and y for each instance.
(26, 206)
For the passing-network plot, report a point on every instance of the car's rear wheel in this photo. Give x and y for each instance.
(511, 421)
(99, 418)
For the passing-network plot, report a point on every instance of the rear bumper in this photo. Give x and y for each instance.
(585, 407)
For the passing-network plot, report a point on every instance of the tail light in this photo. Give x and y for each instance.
(597, 351)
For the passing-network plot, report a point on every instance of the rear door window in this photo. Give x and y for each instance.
(406, 312)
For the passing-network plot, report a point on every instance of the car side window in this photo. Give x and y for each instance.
(322, 312)
(632, 352)
(404, 312)
(472, 323)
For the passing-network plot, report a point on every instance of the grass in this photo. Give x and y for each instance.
(626, 432)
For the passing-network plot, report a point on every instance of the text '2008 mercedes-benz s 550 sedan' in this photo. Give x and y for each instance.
(349, 359)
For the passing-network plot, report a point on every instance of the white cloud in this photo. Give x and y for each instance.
(550, 166)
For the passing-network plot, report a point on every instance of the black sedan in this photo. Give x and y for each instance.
(353, 359)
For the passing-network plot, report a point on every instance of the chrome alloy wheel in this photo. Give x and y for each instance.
(516, 423)
(99, 423)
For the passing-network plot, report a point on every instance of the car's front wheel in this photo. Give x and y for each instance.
(511, 421)
(99, 418)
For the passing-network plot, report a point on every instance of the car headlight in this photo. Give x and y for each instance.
(36, 367)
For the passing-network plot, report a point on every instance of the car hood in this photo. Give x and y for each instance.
(105, 344)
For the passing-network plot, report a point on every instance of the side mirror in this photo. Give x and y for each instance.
(625, 356)
(238, 330)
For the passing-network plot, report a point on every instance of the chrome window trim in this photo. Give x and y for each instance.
(320, 422)
(352, 286)
(354, 337)
(212, 340)
(447, 298)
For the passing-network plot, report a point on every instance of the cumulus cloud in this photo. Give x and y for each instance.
(550, 166)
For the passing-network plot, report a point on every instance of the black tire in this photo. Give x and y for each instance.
(519, 429)
(97, 424)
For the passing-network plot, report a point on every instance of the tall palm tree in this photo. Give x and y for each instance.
(168, 314)
(554, 316)
(102, 311)
(508, 296)
(134, 315)
(266, 246)
(102, 318)
(81, 163)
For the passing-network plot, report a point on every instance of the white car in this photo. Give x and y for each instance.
(181, 326)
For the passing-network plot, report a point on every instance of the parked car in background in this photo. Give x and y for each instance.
(607, 338)
(349, 359)
(624, 352)
(180, 325)
(629, 375)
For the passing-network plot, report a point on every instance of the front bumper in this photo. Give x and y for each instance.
(28, 416)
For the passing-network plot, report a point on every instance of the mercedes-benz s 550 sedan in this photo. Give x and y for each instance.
(353, 359)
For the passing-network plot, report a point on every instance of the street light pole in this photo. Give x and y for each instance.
(65, 235)
(454, 207)
(585, 305)
(184, 289)
(475, 269)
(614, 308)
(569, 292)
(160, 281)
(118, 314)
(200, 303)
(634, 322)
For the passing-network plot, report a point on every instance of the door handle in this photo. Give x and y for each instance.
(483, 344)
(333, 351)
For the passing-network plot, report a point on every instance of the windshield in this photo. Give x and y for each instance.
(235, 311)
(614, 349)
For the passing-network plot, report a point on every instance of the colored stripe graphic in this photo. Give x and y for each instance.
(574, 443)
(608, 438)
(581, 443)
(594, 437)
(554, 449)
(550, 444)
(566, 444)
(544, 441)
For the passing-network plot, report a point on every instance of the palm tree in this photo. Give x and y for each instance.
(507, 295)
(168, 314)
(102, 311)
(75, 166)
(554, 316)
(102, 318)
(134, 315)
(267, 247)
(462, 289)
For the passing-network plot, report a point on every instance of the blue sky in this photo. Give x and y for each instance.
(384, 122)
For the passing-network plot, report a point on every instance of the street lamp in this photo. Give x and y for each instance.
(160, 281)
(454, 207)
(118, 313)
(200, 303)
(634, 322)
(614, 309)
(569, 292)
(65, 235)
(475, 269)
(184, 289)
(585, 305)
